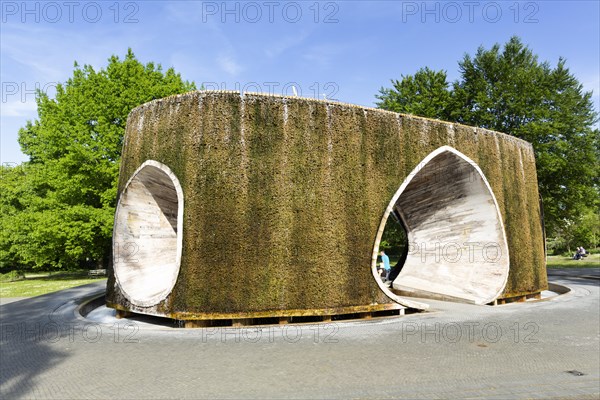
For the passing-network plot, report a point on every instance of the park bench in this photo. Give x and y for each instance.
(96, 272)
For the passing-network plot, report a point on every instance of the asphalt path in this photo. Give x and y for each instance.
(537, 349)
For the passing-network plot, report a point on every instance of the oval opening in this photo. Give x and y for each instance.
(394, 245)
(147, 237)
(457, 244)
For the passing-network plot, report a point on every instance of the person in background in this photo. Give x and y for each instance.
(579, 254)
(385, 260)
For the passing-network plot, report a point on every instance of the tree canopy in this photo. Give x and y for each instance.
(58, 208)
(507, 89)
(425, 94)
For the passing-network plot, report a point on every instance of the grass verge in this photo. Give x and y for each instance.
(38, 283)
(591, 261)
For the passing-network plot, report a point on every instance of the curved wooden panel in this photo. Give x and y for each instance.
(457, 243)
(147, 236)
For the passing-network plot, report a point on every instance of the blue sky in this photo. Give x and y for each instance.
(345, 50)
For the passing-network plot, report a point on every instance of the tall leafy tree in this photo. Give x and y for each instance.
(60, 205)
(425, 94)
(507, 89)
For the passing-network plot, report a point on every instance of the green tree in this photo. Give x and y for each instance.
(60, 205)
(583, 229)
(394, 239)
(587, 229)
(425, 94)
(507, 89)
(510, 91)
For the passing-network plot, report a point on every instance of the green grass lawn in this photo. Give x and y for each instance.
(591, 261)
(39, 283)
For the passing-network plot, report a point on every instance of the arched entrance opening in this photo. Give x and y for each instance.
(394, 242)
(457, 248)
(147, 238)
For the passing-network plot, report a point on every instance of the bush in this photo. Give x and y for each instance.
(12, 276)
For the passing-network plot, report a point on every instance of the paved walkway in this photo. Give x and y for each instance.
(546, 349)
(7, 300)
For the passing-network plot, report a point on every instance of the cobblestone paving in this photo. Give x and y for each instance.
(545, 349)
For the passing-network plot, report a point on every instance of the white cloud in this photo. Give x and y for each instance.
(47, 54)
(228, 64)
(18, 108)
(186, 12)
(285, 43)
(32, 51)
(324, 55)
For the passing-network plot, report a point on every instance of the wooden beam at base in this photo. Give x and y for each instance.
(366, 315)
(351, 313)
(241, 322)
(197, 323)
(517, 299)
(122, 314)
(287, 313)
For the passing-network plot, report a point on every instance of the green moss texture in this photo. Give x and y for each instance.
(284, 196)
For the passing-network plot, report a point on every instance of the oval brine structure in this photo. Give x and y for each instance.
(286, 200)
